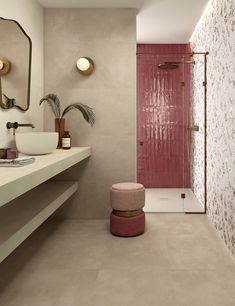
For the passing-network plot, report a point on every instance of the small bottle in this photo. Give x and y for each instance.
(66, 141)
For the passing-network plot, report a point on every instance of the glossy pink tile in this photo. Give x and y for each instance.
(163, 109)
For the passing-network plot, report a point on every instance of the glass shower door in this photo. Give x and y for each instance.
(163, 142)
(194, 200)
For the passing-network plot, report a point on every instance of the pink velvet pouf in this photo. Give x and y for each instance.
(127, 196)
(127, 227)
(127, 201)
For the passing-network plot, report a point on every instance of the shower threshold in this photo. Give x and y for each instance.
(168, 200)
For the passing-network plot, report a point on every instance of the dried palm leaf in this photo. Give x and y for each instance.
(86, 111)
(53, 102)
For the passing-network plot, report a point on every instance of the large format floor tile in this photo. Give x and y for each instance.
(179, 261)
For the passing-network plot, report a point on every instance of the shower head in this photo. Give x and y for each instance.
(168, 66)
(173, 65)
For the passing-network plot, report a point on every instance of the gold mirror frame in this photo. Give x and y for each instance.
(2, 105)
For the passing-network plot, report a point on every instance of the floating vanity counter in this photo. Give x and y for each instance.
(18, 180)
(23, 209)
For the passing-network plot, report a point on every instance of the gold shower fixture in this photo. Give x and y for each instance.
(194, 128)
(173, 65)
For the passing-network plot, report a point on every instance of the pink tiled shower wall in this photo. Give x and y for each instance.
(163, 117)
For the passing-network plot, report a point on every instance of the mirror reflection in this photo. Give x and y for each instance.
(15, 65)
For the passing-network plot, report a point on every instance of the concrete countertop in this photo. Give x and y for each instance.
(17, 180)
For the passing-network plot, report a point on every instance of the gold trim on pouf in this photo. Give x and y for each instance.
(127, 213)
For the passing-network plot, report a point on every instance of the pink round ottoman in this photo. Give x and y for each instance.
(127, 218)
(127, 196)
(127, 227)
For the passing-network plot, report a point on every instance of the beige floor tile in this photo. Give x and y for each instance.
(204, 288)
(179, 261)
(174, 224)
(195, 252)
(138, 254)
(79, 290)
(49, 287)
(123, 287)
(29, 287)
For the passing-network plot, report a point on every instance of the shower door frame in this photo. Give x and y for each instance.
(205, 54)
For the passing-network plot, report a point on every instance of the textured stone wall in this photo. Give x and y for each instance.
(216, 34)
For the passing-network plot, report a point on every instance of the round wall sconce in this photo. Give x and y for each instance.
(5, 66)
(85, 65)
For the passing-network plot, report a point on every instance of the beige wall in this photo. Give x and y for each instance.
(109, 37)
(30, 15)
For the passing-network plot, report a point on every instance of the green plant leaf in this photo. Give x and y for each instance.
(86, 111)
(54, 103)
(9, 102)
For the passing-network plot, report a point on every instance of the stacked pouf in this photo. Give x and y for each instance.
(127, 201)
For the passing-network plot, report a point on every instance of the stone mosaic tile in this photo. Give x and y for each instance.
(216, 34)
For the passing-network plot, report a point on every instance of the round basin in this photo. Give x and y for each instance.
(36, 143)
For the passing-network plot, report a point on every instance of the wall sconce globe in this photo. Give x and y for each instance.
(85, 65)
(5, 66)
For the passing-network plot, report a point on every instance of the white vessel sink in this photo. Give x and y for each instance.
(36, 143)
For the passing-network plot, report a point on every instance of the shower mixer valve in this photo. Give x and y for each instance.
(194, 128)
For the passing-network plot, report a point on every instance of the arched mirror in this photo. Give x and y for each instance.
(15, 65)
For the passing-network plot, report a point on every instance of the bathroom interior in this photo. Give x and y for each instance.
(154, 81)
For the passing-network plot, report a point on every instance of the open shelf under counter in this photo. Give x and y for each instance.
(20, 217)
(16, 181)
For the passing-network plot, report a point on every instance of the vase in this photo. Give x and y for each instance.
(60, 128)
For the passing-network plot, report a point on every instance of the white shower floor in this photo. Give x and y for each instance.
(169, 200)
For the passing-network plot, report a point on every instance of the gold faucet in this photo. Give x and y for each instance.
(15, 125)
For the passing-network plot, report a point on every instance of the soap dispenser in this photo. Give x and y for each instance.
(66, 141)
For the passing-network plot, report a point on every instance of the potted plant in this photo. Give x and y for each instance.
(54, 103)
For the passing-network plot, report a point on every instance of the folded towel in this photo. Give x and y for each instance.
(17, 162)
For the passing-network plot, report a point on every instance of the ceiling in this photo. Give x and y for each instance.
(158, 21)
